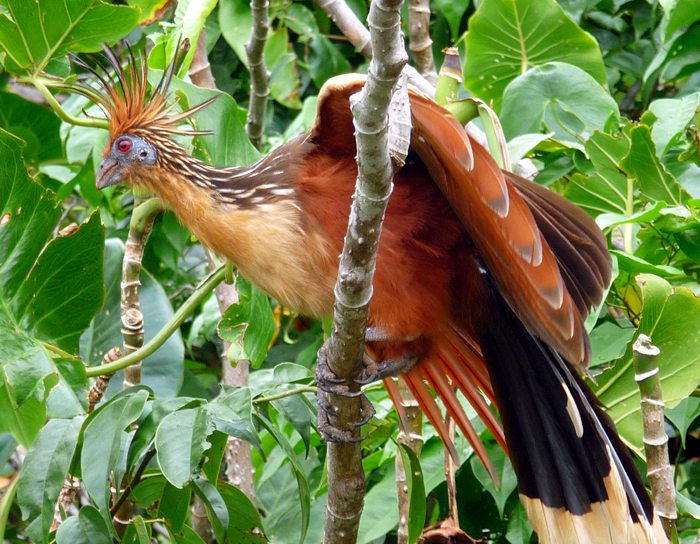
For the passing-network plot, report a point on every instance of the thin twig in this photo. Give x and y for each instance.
(133, 483)
(192, 303)
(259, 76)
(346, 482)
(98, 389)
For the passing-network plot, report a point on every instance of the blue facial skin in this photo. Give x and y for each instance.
(124, 152)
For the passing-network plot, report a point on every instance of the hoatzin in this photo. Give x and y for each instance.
(483, 281)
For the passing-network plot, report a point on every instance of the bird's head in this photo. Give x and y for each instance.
(140, 128)
(124, 159)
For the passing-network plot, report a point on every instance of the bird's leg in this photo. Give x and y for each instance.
(329, 384)
(373, 371)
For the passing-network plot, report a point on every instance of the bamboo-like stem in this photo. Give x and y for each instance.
(659, 469)
(65, 498)
(413, 440)
(199, 294)
(239, 465)
(346, 481)
(419, 42)
(131, 316)
(259, 76)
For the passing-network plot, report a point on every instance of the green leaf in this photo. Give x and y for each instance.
(33, 123)
(236, 23)
(189, 19)
(506, 39)
(415, 490)
(88, 527)
(254, 310)
(453, 12)
(636, 265)
(215, 505)
(652, 178)
(188, 429)
(297, 413)
(606, 191)
(519, 529)
(673, 115)
(504, 472)
(214, 455)
(686, 507)
(302, 482)
(286, 373)
(44, 471)
(245, 526)
(671, 318)
(562, 97)
(282, 64)
(608, 342)
(137, 532)
(145, 434)
(683, 57)
(606, 220)
(33, 33)
(102, 442)
(679, 13)
(325, 60)
(170, 502)
(163, 370)
(683, 415)
(39, 285)
(149, 9)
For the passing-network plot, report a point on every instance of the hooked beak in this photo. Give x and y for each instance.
(108, 173)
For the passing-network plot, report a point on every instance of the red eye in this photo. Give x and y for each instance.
(124, 146)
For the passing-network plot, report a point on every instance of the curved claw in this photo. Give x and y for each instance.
(366, 408)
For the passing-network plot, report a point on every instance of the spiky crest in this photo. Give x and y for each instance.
(122, 97)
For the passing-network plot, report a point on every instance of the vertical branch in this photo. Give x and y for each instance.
(131, 316)
(419, 41)
(659, 470)
(346, 482)
(413, 440)
(239, 467)
(450, 475)
(259, 76)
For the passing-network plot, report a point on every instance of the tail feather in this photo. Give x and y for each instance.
(576, 479)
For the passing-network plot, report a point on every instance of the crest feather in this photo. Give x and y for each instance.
(122, 97)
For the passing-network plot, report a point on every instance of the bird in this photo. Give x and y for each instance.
(483, 282)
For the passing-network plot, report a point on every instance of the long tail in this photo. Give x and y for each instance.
(576, 478)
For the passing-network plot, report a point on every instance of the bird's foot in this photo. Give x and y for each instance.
(330, 384)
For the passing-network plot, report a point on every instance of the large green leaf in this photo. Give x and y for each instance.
(163, 370)
(44, 472)
(605, 191)
(671, 318)
(673, 115)
(40, 285)
(244, 520)
(504, 471)
(32, 33)
(35, 124)
(653, 179)
(102, 442)
(88, 527)
(558, 97)
(506, 38)
(181, 439)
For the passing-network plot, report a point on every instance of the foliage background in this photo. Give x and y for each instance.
(601, 95)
